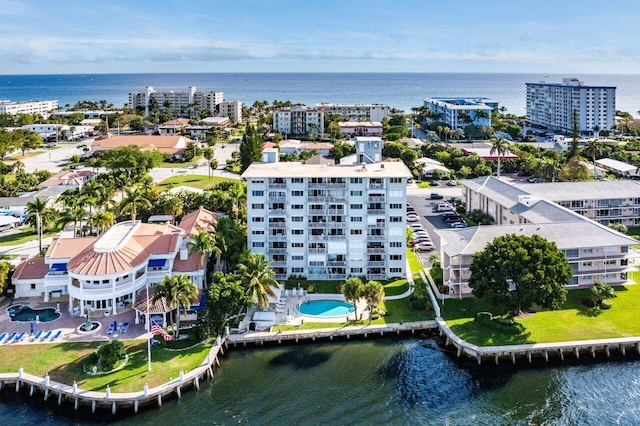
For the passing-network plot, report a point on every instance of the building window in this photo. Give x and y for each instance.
(257, 219)
(396, 180)
(297, 206)
(395, 219)
(355, 180)
(395, 270)
(395, 206)
(33, 286)
(355, 206)
(257, 193)
(297, 219)
(297, 270)
(356, 232)
(571, 253)
(257, 244)
(356, 270)
(355, 218)
(297, 232)
(297, 245)
(395, 257)
(395, 244)
(297, 193)
(356, 193)
(297, 180)
(257, 232)
(297, 257)
(587, 264)
(257, 206)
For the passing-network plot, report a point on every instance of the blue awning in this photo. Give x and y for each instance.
(199, 306)
(155, 263)
(58, 267)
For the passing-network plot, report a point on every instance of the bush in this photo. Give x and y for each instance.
(605, 304)
(588, 302)
(110, 354)
(501, 324)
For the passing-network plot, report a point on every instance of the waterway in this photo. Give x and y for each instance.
(395, 381)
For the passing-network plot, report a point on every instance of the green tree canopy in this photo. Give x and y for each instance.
(515, 271)
(5, 275)
(130, 163)
(225, 297)
(353, 290)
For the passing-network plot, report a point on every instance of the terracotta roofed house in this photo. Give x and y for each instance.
(172, 145)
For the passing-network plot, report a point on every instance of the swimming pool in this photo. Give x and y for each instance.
(326, 308)
(27, 314)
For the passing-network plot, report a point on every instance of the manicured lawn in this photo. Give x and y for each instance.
(394, 288)
(25, 235)
(64, 361)
(326, 287)
(414, 262)
(573, 322)
(194, 181)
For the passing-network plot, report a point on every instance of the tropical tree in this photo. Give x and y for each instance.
(230, 240)
(499, 146)
(258, 278)
(353, 290)
(225, 297)
(373, 293)
(178, 292)
(133, 200)
(5, 272)
(36, 209)
(601, 291)
(204, 243)
(593, 148)
(515, 271)
(72, 214)
(207, 153)
(104, 220)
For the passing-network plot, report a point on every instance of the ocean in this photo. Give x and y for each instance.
(399, 90)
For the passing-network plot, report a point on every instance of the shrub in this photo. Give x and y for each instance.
(588, 302)
(501, 324)
(605, 304)
(110, 354)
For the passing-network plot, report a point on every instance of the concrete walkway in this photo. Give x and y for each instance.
(407, 293)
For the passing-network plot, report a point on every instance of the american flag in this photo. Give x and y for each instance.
(156, 329)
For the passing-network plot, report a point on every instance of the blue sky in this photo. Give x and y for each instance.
(114, 36)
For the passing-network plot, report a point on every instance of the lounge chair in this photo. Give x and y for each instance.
(55, 336)
(2, 336)
(112, 327)
(47, 335)
(125, 327)
(11, 336)
(19, 337)
(38, 335)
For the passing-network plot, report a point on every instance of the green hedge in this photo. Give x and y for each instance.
(503, 325)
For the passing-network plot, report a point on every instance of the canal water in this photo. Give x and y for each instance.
(396, 381)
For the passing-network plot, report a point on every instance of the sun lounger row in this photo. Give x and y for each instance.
(17, 337)
(295, 292)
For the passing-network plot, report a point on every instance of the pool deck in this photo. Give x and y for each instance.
(66, 323)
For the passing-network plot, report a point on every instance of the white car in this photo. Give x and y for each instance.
(424, 246)
(413, 218)
(416, 227)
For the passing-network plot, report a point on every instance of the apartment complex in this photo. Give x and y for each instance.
(608, 201)
(556, 106)
(231, 109)
(461, 112)
(356, 112)
(595, 252)
(43, 108)
(361, 128)
(328, 222)
(180, 103)
(298, 120)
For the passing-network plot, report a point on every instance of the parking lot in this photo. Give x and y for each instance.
(430, 220)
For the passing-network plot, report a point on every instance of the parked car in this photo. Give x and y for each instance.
(436, 196)
(444, 207)
(534, 180)
(409, 180)
(413, 218)
(416, 227)
(461, 224)
(434, 183)
(76, 166)
(449, 214)
(424, 246)
(453, 219)
(452, 183)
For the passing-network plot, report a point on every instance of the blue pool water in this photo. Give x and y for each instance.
(326, 308)
(27, 314)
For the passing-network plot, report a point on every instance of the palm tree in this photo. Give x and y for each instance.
(593, 148)
(104, 220)
(72, 214)
(178, 291)
(499, 146)
(373, 293)
(37, 208)
(552, 169)
(133, 199)
(204, 243)
(434, 260)
(353, 289)
(258, 278)
(207, 153)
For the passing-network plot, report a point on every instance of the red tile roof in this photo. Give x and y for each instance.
(31, 269)
(201, 219)
(191, 264)
(173, 144)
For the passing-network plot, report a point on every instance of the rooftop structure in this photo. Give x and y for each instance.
(619, 167)
(556, 106)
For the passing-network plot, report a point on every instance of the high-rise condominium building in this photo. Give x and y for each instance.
(356, 112)
(557, 106)
(298, 120)
(231, 109)
(181, 103)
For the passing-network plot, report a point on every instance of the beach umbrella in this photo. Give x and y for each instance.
(33, 327)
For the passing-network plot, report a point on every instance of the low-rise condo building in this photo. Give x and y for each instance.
(298, 120)
(44, 108)
(357, 112)
(361, 128)
(595, 252)
(556, 106)
(328, 222)
(460, 112)
(174, 145)
(231, 109)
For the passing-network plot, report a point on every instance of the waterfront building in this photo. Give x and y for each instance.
(44, 108)
(180, 103)
(360, 128)
(460, 112)
(107, 271)
(555, 106)
(595, 252)
(327, 221)
(357, 112)
(298, 120)
(231, 109)
(172, 145)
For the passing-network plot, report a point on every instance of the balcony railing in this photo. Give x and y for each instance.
(318, 250)
(277, 211)
(337, 237)
(336, 263)
(316, 224)
(277, 199)
(377, 198)
(376, 211)
(376, 263)
(336, 276)
(276, 250)
(278, 263)
(376, 237)
(337, 225)
(317, 237)
(376, 276)
(277, 225)
(376, 186)
(317, 198)
(336, 211)
(376, 250)
(377, 225)
(277, 185)
(277, 237)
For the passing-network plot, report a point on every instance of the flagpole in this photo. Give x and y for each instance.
(148, 330)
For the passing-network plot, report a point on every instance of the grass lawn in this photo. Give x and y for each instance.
(25, 235)
(194, 181)
(64, 363)
(573, 322)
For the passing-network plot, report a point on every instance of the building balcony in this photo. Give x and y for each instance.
(277, 212)
(378, 225)
(337, 237)
(276, 250)
(317, 212)
(317, 250)
(336, 276)
(278, 264)
(337, 225)
(336, 263)
(376, 276)
(277, 225)
(376, 237)
(376, 186)
(377, 199)
(316, 224)
(277, 237)
(377, 263)
(317, 198)
(277, 185)
(106, 291)
(336, 211)
(376, 250)
(277, 199)
(317, 237)
(376, 211)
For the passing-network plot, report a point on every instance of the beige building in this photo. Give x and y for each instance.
(231, 109)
